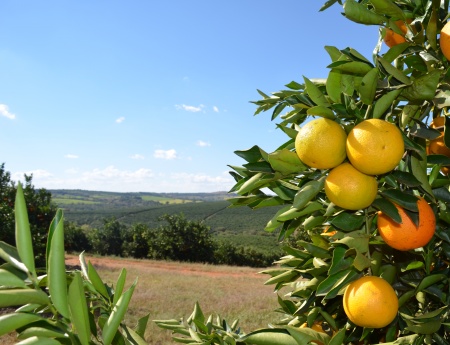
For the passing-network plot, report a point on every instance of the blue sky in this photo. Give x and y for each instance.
(152, 96)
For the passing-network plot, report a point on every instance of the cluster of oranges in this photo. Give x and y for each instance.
(373, 147)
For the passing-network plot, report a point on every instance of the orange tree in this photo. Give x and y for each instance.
(331, 245)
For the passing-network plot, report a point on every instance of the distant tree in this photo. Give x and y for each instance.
(75, 238)
(181, 239)
(135, 241)
(108, 239)
(41, 211)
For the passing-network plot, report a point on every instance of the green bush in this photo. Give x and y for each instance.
(59, 306)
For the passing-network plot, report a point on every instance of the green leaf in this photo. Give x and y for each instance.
(78, 309)
(39, 341)
(11, 322)
(23, 235)
(286, 162)
(96, 281)
(133, 337)
(331, 285)
(314, 93)
(351, 67)
(419, 169)
(57, 281)
(393, 71)
(8, 279)
(406, 178)
(55, 221)
(384, 103)
(255, 182)
(321, 111)
(315, 251)
(307, 192)
(387, 8)
(340, 261)
(356, 240)
(141, 325)
(252, 155)
(11, 256)
(368, 86)
(269, 336)
(359, 13)
(120, 285)
(388, 208)
(115, 318)
(42, 330)
(19, 297)
(403, 199)
(333, 85)
(423, 88)
(294, 213)
(348, 221)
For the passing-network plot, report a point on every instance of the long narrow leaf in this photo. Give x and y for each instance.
(23, 234)
(78, 309)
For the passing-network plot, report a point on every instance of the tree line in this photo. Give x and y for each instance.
(176, 238)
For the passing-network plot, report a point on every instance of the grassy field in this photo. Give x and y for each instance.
(168, 290)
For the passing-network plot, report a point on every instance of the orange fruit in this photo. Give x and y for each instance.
(370, 302)
(406, 235)
(317, 326)
(444, 40)
(437, 145)
(392, 38)
(320, 144)
(349, 188)
(375, 146)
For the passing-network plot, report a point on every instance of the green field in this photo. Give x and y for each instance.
(240, 225)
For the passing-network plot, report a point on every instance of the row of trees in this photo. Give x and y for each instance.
(177, 238)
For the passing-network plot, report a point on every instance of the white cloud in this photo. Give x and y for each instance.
(190, 108)
(137, 156)
(202, 143)
(216, 109)
(140, 180)
(120, 119)
(4, 111)
(165, 154)
(71, 156)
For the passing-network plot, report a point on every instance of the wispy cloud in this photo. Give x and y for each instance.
(165, 154)
(71, 156)
(120, 119)
(216, 109)
(137, 156)
(190, 108)
(4, 111)
(202, 143)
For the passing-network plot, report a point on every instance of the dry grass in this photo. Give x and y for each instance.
(168, 290)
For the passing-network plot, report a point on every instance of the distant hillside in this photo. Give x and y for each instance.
(92, 207)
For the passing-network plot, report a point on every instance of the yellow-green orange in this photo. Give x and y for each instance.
(349, 188)
(320, 144)
(375, 146)
(370, 302)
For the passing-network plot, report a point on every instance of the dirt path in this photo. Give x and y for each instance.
(181, 268)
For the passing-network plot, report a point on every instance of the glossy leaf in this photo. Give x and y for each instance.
(384, 103)
(39, 341)
(387, 8)
(96, 281)
(115, 318)
(423, 88)
(403, 199)
(57, 280)
(23, 235)
(314, 93)
(8, 279)
(321, 111)
(269, 336)
(352, 67)
(11, 322)
(348, 221)
(19, 297)
(308, 192)
(388, 208)
(359, 13)
(78, 309)
(368, 86)
(286, 162)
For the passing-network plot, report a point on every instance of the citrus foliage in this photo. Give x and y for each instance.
(407, 86)
(60, 307)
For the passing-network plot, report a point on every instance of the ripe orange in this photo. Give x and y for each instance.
(370, 302)
(320, 144)
(437, 145)
(444, 40)
(407, 235)
(349, 188)
(375, 146)
(392, 38)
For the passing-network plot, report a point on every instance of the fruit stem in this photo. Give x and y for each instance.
(367, 228)
(368, 111)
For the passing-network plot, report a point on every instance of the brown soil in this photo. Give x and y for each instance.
(151, 265)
